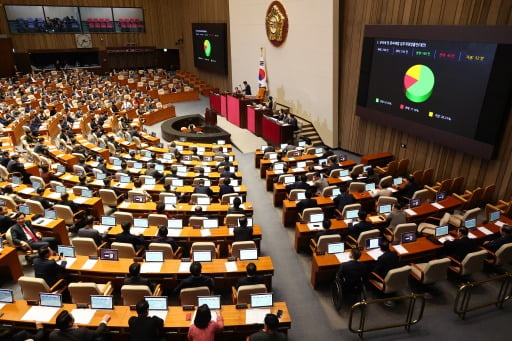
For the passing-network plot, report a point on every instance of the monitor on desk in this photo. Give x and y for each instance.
(177, 182)
(414, 203)
(50, 300)
(302, 143)
(156, 302)
(154, 256)
(202, 256)
(249, 221)
(61, 169)
(210, 223)
(87, 193)
(272, 156)
(137, 165)
(408, 237)
(279, 167)
(200, 150)
(343, 157)
(25, 209)
(36, 184)
(470, 223)
(301, 164)
(170, 200)
(108, 220)
(264, 147)
(262, 300)
(180, 147)
(494, 216)
(149, 181)
(344, 172)
(50, 214)
(373, 243)
(283, 146)
(441, 196)
(175, 223)
(365, 168)
(167, 156)
(102, 302)
(385, 209)
(16, 180)
(145, 153)
(319, 150)
(66, 251)
(6, 296)
(289, 180)
(213, 302)
(351, 214)
(235, 182)
(297, 153)
(117, 162)
(397, 181)
(100, 176)
(207, 183)
(181, 169)
(333, 248)
(139, 198)
(159, 167)
(60, 189)
(441, 231)
(335, 192)
(203, 200)
(125, 179)
(109, 254)
(248, 254)
(316, 218)
(140, 222)
(369, 187)
(301, 195)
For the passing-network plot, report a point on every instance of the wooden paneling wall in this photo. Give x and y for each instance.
(166, 22)
(363, 137)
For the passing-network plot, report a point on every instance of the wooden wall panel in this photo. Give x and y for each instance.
(363, 137)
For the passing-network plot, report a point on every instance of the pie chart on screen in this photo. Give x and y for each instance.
(419, 82)
(207, 47)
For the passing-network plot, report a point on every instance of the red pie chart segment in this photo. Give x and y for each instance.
(409, 81)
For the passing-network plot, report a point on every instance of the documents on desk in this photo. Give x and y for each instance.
(205, 233)
(437, 205)
(172, 232)
(40, 314)
(101, 228)
(410, 212)
(400, 249)
(484, 230)
(256, 316)
(471, 235)
(89, 264)
(314, 226)
(79, 200)
(499, 223)
(231, 267)
(346, 178)
(27, 190)
(375, 253)
(54, 195)
(68, 177)
(158, 313)
(69, 261)
(137, 231)
(151, 267)
(43, 221)
(445, 238)
(343, 257)
(83, 316)
(124, 204)
(184, 267)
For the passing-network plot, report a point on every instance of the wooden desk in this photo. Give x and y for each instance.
(94, 204)
(183, 96)
(291, 215)
(303, 234)
(175, 322)
(426, 209)
(276, 133)
(255, 118)
(56, 228)
(159, 115)
(377, 159)
(9, 259)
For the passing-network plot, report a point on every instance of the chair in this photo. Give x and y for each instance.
(35, 206)
(225, 197)
(426, 179)
(357, 169)
(234, 249)
(232, 219)
(54, 184)
(169, 253)
(132, 294)
(109, 197)
(327, 191)
(429, 273)
(361, 241)
(242, 295)
(385, 200)
(443, 186)
(487, 194)
(65, 212)
(349, 207)
(126, 250)
(472, 263)
(323, 241)
(457, 220)
(121, 217)
(457, 185)
(39, 179)
(86, 246)
(9, 202)
(305, 216)
(357, 187)
(10, 242)
(77, 190)
(79, 170)
(206, 246)
(428, 227)
(162, 195)
(396, 236)
(422, 194)
(292, 196)
(470, 199)
(194, 196)
(4, 174)
(32, 286)
(402, 168)
(282, 177)
(389, 169)
(188, 296)
(386, 181)
(395, 280)
(81, 291)
(502, 256)
(157, 219)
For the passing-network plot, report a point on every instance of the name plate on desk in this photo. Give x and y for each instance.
(315, 226)
(184, 267)
(485, 230)
(89, 264)
(410, 212)
(400, 249)
(231, 267)
(437, 205)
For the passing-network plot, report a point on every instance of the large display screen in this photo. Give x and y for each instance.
(209, 42)
(452, 91)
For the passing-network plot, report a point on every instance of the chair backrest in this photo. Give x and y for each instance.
(194, 196)
(188, 296)
(196, 221)
(77, 190)
(39, 179)
(237, 246)
(4, 174)
(474, 200)
(403, 228)
(81, 292)
(470, 214)
(357, 187)
(78, 170)
(446, 184)
(385, 200)
(54, 184)
(361, 241)
(294, 193)
(204, 246)
(386, 181)
(396, 279)
(323, 241)
(402, 168)
(504, 254)
(436, 270)
(350, 207)
(121, 217)
(31, 287)
(132, 294)
(327, 191)
(487, 194)
(225, 197)
(232, 218)
(162, 195)
(473, 262)
(426, 179)
(157, 219)
(9, 202)
(335, 173)
(165, 247)
(357, 169)
(84, 246)
(282, 178)
(125, 250)
(306, 214)
(35, 207)
(457, 185)
(244, 292)
(422, 194)
(64, 212)
(108, 197)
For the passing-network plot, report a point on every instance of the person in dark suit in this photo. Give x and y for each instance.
(301, 184)
(504, 238)
(270, 330)
(127, 237)
(270, 103)
(143, 326)
(45, 203)
(236, 209)
(107, 185)
(242, 232)
(343, 199)
(24, 236)
(89, 232)
(226, 187)
(326, 224)
(250, 278)
(134, 277)
(202, 189)
(81, 163)
(5, 220)
(461, 246)
(362, 225)
(66, 332)
(332, 164)
(226, 163)
(64, 200)
(352, 275)
(151, 171)
(247, 89)
(387, 261)
(306, 203)
(196, 279)
(46, 268)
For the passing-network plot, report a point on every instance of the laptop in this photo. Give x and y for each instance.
(175, 223)
(25, 209)
(6, 296)
(319, 150)
(154, 256)
(16, 180)
(181, 169)
(149, 181)
(66, 251)
(397, 181)
(210, 223)
(373, 243)
(50, 214)
(494, 216)
(344, 172)
(272, 156)
(50, 300)
(100, 176)
(156, 302)
(408, 237)
(351, 214)
(61, 169)
(117, 162)
(316, 218)
(440, 196)
(108, 220)
(365, 168)
(60, 189)
(221, 141)
(87, 193)
(279, 167)
(177, 182)
(187, 158)
(248, 254)
(302, 143)
(333, 248)
(102, 302)
(283, 145)
(264, 147)
(249, 221)
(140, 199)
(385, 209)
(213, 302)
(301, 196)
(170, 200)
(414, 203)
(202, 256)
(137, 165)
(203, 200)
(140, 222)
(369, 187)
(301, 164)
(36, 184)
(289, 179)
(441, 231)
(470, 223)
(125, 179)
(234, 182)
(336, 192)
(262, 300)
(109, 254)
(159, 167)
(167, 156)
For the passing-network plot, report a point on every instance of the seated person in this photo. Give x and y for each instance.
(161, 236)
(372, 177)
(24, 236)
(81, 163)
(134, 277)
(198, 212)
(242, 232)
(301, 184)
(107, 185)
(226, 188)
(5, 220)
(352, 275)
(82, 182)
(236, 209)
(360, 226)
(64, 200)
(127, 237)
(10, 193)
(319, 183)
(251, 277)
(66, 331)
(196, 279)
(270, 330)
(160, 209)
(39, 198)
(202, 189)
(46, 268)
(387, 261)
(89, 232)
(460, 247)
(343, 199)
(306, 203)
(326, 224)
(504, 238)
(143, 326)
(397, 216)
(137, 189)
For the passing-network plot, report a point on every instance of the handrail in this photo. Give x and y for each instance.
(409, 321)
(302, 118)
(464, 294)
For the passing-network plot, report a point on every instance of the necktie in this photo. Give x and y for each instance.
(29, 232)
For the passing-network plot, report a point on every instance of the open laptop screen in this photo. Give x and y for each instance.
(124, 179)
(369, 187)
(102, 302)
(87, 193)
(494, 215)
(66, 251)
(441, 231)
(175, 223)
(6, 296)
(108, 220)
(351, 214)
(50, 300)
(213, 302)
(262, 300)
(60, 189)
(440, 196)
(50, 214)
(177, 182)
(316, 218)
(170, 200)
(25, 209)
(383, 209)
(333, 248)
(203, 200)
(397, 181)
(109, 254)
(470, 223)
(156, 302)
(301, 195)
(140, 222)
(408, 237)
(202, 256)
(414, 203)
(373, 243)
(248, 254)
(154, 256)
(149, 181)
(336, 192)
(210, 223)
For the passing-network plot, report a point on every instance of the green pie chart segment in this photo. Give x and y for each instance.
(207, 47)
(418, 83)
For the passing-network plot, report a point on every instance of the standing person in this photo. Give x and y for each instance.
(143, 326)
(270, 330)
(247, 89)
(204, 329)
(66, 332)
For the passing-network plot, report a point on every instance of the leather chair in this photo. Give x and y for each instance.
(81, 291)
(188, 296)
(242, 295)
